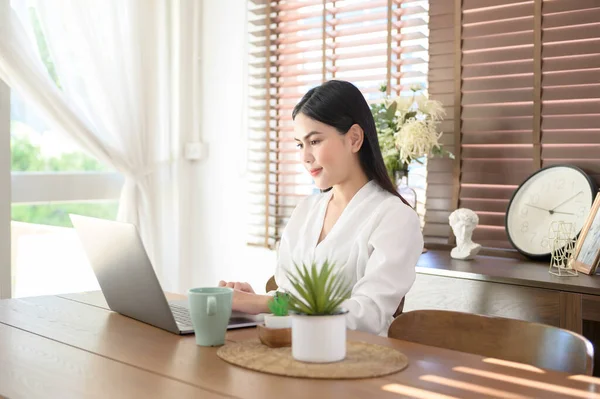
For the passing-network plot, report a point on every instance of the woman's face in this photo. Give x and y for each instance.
(325, 153)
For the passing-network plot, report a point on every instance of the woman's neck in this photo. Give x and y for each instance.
(343, 192)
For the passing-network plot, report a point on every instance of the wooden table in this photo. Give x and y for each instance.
(72, 346)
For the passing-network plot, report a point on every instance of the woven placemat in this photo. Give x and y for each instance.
(363, 360)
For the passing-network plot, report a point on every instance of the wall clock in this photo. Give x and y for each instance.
(555, 193)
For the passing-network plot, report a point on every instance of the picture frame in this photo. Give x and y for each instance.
(587, 250)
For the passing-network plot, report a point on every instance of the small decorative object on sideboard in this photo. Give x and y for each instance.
(407, 129)
(587, 251)
(318, 321)
(463, 221)
(555, 193)
(562, 240)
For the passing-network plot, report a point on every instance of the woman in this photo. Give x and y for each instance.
(359, 221)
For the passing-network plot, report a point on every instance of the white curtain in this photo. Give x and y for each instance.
(118, 66)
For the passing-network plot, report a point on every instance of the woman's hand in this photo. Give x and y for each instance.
(250, 303)
(237, 286)
(245, 299)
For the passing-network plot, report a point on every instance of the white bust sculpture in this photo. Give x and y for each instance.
(463, 221)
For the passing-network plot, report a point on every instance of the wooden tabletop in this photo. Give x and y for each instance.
(505, 270)
(73, 346)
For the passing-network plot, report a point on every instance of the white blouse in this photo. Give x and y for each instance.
(376, 243)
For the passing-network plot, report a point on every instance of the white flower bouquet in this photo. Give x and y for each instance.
(407, 129)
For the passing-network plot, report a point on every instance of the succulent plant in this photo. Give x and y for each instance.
(318, 291)
(280, 304)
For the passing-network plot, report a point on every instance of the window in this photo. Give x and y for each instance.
(525, 95)
(50, 178)
(296, 45)
(50, 175)
(43, 164)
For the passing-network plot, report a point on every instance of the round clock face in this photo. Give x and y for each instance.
(556, 193)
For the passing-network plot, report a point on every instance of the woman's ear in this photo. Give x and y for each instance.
(356, 135)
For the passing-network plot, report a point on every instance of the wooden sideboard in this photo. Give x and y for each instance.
(511, 288)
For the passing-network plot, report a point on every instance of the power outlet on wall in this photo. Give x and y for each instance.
(196, 151)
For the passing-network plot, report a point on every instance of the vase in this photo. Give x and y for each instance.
(319, 339)
(403, 189)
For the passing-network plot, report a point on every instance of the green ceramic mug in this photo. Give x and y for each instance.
(210, 310)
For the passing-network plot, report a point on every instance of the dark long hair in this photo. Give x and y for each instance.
(340, 104)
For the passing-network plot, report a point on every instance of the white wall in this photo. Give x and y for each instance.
(221, 196)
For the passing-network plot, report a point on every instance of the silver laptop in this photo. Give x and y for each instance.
(128, 280)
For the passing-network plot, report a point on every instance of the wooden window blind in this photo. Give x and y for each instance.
(570, 99)
(441, 88)
(296, 45)
(526, 80)
(496, 111)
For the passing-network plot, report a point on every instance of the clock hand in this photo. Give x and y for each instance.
(564, 202)
(562, 213)
(537, 207)
(549, 211)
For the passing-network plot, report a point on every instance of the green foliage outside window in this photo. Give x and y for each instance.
(58, 214)
(28, 157)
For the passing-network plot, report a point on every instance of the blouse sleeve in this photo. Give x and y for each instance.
(396, 245)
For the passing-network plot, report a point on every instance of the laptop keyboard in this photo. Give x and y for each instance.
(184, 321)
(181, 315)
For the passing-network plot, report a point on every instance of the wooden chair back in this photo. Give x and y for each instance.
(514, 340)
(272, 286)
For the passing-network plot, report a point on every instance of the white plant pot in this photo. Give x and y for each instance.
(319, 339)
(272, 321)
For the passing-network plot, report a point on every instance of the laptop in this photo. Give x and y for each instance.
(127, 278)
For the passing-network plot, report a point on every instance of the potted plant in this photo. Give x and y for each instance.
(318, 321)
(277, 331)
(407, 130)
(279, 307)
